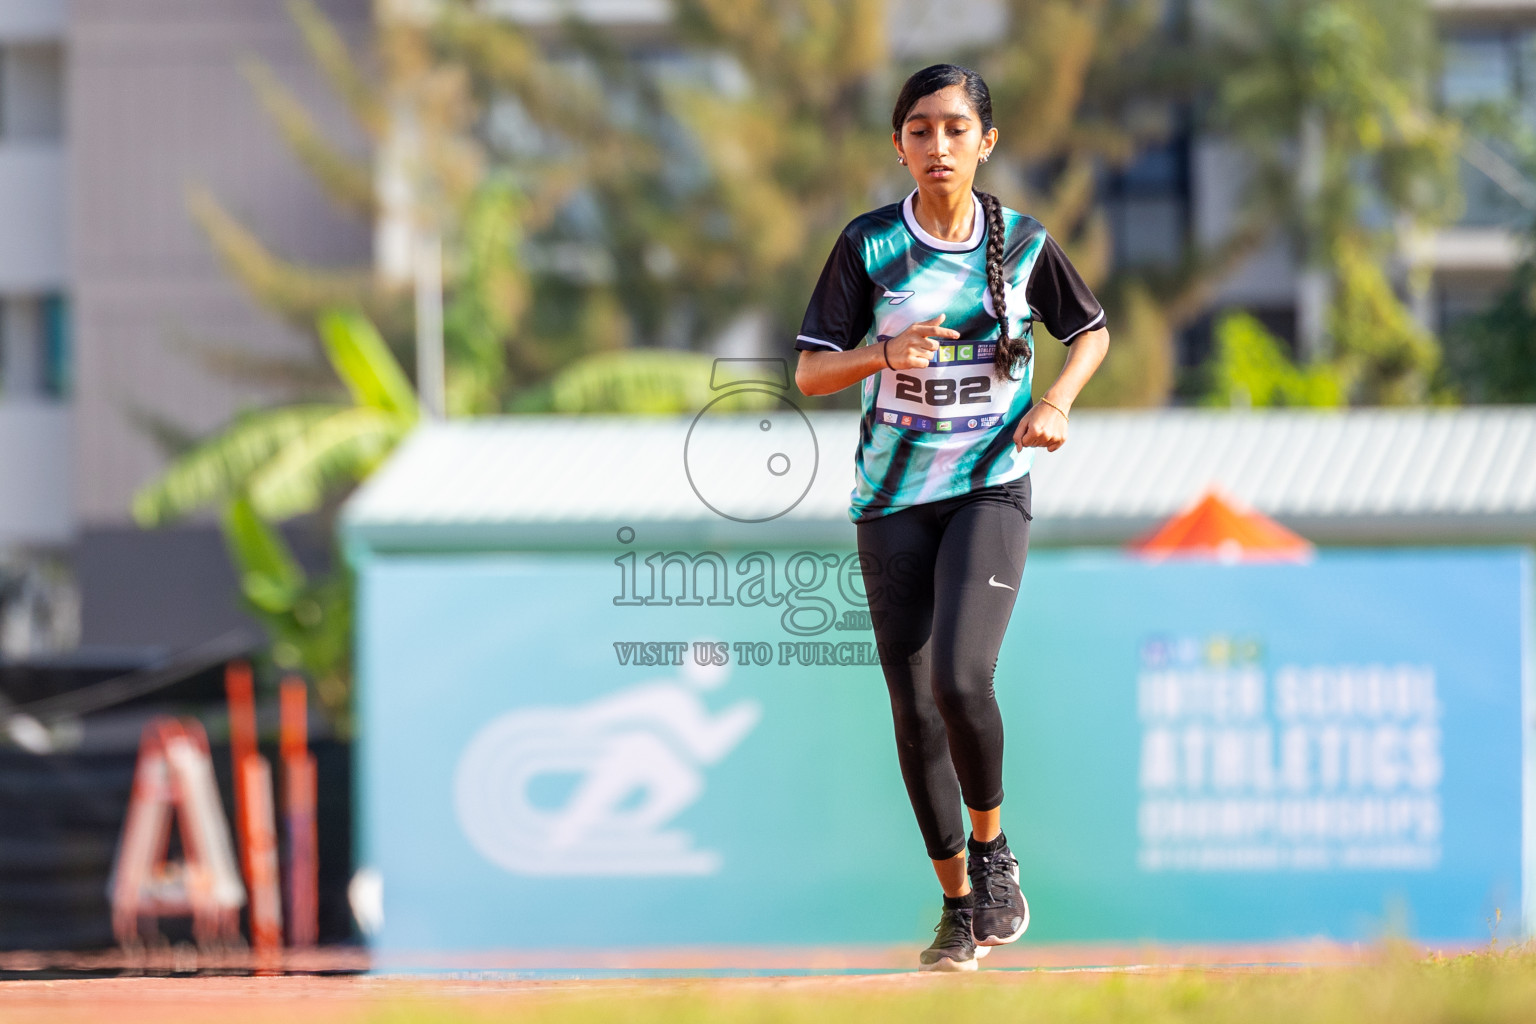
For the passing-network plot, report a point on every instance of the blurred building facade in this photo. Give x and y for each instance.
(1191, 185)
(112, 304)
(111, 300)
(1490, 56)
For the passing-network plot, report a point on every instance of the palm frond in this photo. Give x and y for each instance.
(220, 466)
(655, 382)
(295, 292)
(270, 577)
(303, 374)
(347, 180)
(333, 454)
(365, 364)
(170, 438)
(330, 52)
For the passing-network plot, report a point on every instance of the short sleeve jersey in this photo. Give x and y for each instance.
(947, 429)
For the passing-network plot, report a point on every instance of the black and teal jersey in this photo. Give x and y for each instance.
(948, 428)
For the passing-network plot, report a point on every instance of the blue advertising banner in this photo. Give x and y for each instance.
(650, 747)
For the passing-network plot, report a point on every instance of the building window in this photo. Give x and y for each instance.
(1492, 69)
(1479, 68)
(56, 345)
(31, 92)
(34, 347)
(1148, 204)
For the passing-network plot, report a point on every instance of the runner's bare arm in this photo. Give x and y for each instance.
(1045, 425)
(822, 373)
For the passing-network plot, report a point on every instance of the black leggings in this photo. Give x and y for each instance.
(942, 578)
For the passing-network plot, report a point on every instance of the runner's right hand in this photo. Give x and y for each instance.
(914, 347)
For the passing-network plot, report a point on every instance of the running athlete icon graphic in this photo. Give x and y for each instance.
(637, 755)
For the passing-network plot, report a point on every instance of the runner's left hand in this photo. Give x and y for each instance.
(1042, 427)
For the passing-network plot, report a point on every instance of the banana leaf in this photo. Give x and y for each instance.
(219, 467)
(270, 577)
(655, 382)
(365, 364)
(333, 454)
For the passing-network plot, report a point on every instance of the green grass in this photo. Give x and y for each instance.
(1494, 987)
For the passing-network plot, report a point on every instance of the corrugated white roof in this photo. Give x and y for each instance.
(1429, 475)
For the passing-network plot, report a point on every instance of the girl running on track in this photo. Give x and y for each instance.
(929, 304)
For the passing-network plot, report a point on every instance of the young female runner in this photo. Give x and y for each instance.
(929, 303)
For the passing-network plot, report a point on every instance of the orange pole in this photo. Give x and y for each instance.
(300, 797)
(295, 716)
(240, 689)
(266, 890)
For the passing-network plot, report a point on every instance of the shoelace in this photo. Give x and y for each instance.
(992, 867)
(959, 927)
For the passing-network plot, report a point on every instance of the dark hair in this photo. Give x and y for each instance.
(924, 83)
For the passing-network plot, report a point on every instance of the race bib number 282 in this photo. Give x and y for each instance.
(955, 393)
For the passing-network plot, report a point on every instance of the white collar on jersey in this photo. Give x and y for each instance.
(978, 227)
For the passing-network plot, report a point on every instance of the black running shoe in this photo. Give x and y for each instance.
(1002, 912)
(954, 948)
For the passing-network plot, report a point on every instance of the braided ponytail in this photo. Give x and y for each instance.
(1009, 349)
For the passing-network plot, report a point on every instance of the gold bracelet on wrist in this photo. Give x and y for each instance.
(1053, 405)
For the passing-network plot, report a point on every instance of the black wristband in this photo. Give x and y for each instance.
(885, 351)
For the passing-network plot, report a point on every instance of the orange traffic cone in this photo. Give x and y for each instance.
(1217, 526)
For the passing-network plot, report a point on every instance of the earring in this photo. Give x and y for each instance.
(984, 157)
(901, 160)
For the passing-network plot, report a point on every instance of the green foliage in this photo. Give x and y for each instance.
(1250, 368)
(1358, 69)
(365, 365)
(325, 461)
(296, 293)
(212, 471)
(482, 316)
(345, 178)
(1387, 356)
(1084, 87)
(1390, 987)
(804, 145)
(1076, 87)
(428, 79)
(331, 55)
(1141, 374)
(643, 382)
(1491, 357)
(274, 464)
(270, 578)
(435, 76)
(710, 190)
(309, 621)
(792, 150)
(1332, 104)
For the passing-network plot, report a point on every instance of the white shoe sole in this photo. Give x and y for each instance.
(946, 965)
(993, 940)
